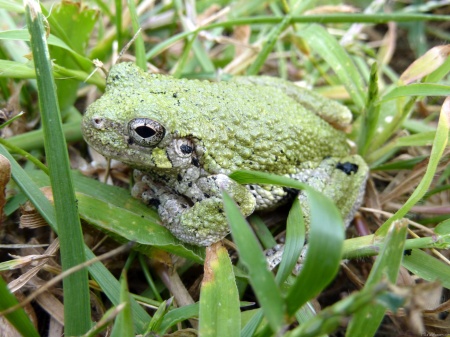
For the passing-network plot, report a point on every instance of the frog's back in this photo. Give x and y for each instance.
(238, 126)
(259, 128)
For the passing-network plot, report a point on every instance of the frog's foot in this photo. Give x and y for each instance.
(343, 180)
(199, 220)
(269, 196)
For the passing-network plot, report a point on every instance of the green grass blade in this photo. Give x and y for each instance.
(295, 239)
(370, 115)
(334, 54)
(387, 265)
(178, 315)
(123, 325)
(18, 318)
(118, 22)
(181, 64)
(11, 6)
(139, 42)
(219, 299)
(158, 317)
(23, 35)
(13, 69)
(107, 282)
(249, 329)
(331, 317)
(77, 311)
(111, 287)
(262, 231)
(33, 140)
(427, 267)
(272, 38)
(417, 89)
(439, 145)
(326, 237)
(251, 255)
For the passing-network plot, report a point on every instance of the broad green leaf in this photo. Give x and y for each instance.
(113, 210)
(219, 299)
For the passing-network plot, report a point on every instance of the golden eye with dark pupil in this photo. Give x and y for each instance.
(145, 132)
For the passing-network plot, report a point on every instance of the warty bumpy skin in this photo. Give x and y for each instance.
(184, 137)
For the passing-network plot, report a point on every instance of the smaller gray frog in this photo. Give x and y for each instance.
(184, 138)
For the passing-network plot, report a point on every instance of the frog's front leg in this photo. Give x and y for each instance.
(197, 217)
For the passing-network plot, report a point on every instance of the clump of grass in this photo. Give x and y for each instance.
(401, 117)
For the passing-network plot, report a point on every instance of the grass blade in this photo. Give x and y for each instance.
(252, 257)
(439, 145)
(324, 254)
(427, 267)
(123, 325)
(178, 315)
(18, 318)
(139, 42)
(272, 38)
(325, 239)
(295, 239)
(387, 265)
(417, 89)
(335, 55)
(219, 298)
(77, 310)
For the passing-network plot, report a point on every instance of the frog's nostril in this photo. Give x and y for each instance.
(98, 122)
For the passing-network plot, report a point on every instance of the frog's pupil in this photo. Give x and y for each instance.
(145, 131)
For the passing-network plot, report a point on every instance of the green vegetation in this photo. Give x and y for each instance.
(390, 65)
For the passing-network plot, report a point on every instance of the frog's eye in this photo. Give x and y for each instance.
(145, 132)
